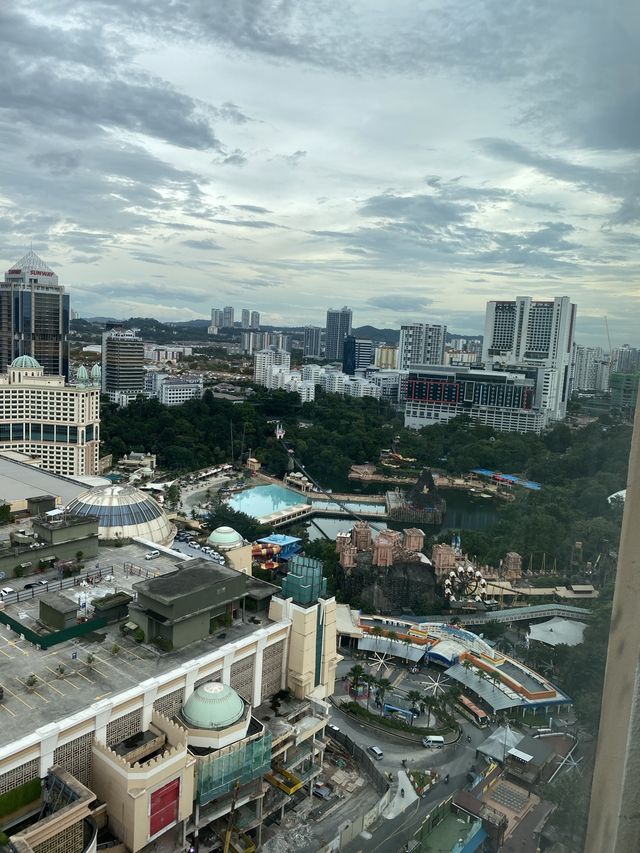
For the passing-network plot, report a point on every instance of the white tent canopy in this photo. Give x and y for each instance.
(557, 631)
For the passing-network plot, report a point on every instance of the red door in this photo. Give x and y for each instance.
(164, 807)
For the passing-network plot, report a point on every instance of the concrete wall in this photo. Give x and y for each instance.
(13, 557)
(614, 817)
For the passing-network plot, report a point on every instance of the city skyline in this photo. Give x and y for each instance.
(154, 160)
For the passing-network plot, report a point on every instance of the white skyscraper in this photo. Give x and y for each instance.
(421, 343)
(338, 327)
(525, 332)
(255, 319)
(246, 318)
(312, 341)
(591, 369)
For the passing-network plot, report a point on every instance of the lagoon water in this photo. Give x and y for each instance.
(265, 500)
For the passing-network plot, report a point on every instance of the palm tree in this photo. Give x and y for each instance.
(355, 677)
(383, 686)
(370, 680)
(414, 696)
(431, 704)
(377, 633)
(392, 635)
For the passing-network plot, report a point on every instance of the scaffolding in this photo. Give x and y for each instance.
(218, 773)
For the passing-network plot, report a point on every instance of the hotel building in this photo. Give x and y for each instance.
(43, 416)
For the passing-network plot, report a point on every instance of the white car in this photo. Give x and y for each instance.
(151, 555)
(6, 590)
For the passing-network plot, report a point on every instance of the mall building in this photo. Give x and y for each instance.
(213, 737)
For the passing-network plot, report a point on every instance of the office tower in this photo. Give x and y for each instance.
(266, 359)
(34, 316)
(338, 327)
(255, 319)
(528, 332)
(227, 317)
(246, 318)
(122, 365)
(312, 341)
(614, 819)
(357, 354)
(43, 416)
(421, 343)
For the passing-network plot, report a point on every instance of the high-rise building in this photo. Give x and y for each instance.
(505, 400)
(421, 343)
(34, 316)
(217, 317)
(312, 341)
(43, 416)
(255, 319)
(246, 318)
(625, 359)
(338, 327)
(357, 354)
(227, 317)
(624, 393)
(122, 365)
(538, 334)
(591, 369)
(265, 360)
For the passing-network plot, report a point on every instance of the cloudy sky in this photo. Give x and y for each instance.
(410, 158)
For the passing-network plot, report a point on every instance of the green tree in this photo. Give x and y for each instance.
(355, 676)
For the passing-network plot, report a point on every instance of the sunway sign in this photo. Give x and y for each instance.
(31, 272)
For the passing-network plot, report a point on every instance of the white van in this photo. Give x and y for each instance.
(151, 555)
(431, 741)
(377, 753)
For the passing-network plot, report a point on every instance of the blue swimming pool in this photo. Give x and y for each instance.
(265, 500)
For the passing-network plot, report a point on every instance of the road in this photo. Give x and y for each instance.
(388, 835)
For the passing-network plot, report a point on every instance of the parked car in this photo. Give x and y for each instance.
(5, 591)
(151, 555)
(41, 584)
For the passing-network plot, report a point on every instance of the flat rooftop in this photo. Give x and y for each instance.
(21, 481)
(55, 697)
(187, 578)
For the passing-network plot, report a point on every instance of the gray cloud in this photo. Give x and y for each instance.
(202, 244)
(398, 302)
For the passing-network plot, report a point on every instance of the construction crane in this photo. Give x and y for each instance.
(606, 326)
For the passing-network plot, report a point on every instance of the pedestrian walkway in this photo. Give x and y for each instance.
(400, 803)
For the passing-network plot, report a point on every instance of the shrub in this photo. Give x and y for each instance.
(163, 644)
(21, 796)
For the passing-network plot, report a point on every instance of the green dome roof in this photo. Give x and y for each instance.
(213, 706)
(25, 361)
(225, 537)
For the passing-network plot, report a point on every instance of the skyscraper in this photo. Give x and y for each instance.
(312, 341)
(538, 334)
(227, 316)
(216, 317)
(338, 327)
(357, 354)
(246, 318)
(122, 364)
(34, 316)
(255, 319)
(421, 343)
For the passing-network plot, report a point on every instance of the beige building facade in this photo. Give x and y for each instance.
(43, 416)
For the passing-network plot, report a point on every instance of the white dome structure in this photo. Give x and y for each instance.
(124, 512)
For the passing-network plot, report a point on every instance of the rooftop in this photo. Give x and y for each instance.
(189, 578)
(21, 482)
(55, 697)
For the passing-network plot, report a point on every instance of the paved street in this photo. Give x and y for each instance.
(405, 815)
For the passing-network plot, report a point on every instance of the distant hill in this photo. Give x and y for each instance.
(371, 333)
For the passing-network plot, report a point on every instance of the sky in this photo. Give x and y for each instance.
(409, 158)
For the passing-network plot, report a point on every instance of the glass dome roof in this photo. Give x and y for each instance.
(213, 706)
(25, 361)
(225, 537)
(124, 512)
